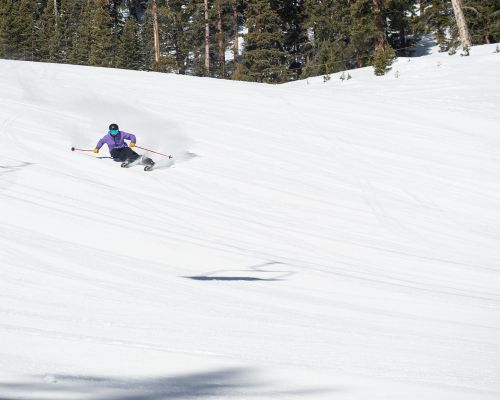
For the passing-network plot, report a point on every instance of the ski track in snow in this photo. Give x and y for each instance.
(312, 240)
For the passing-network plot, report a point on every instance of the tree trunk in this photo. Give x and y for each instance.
(155, 33)
(235, 28)
(461, 23)
(380, 39)
(360, 61)
(207, 40)
(222, 49)
(55, 13)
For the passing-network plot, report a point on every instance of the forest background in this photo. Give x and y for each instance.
(270, 41)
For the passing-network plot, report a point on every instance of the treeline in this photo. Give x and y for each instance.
(254, 40)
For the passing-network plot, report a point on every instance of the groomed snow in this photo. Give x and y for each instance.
(313, 240)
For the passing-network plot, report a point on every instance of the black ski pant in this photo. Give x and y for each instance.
(124, 154)
(127, 154)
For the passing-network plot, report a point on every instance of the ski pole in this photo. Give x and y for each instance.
(152, 151)
(76, 149)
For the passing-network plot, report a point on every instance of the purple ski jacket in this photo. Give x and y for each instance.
(116, 142)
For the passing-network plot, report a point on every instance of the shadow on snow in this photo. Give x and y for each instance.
(251, 274)
(225, 383)
(229, 278)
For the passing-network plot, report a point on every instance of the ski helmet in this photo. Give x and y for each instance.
(113, 129)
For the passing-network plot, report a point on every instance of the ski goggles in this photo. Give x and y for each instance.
(113, 132)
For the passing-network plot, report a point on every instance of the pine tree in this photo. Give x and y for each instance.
(437, 18)
(120, 12)
(69, 23)
(292, 16)
(264, 58)
(384, 53)
(82, 38)
(174, 22)
(20, 30)
(368, 35)
(196, 38)
(383, 57)
(222, 21)
(5, 28)
(129, 51)
(101, 39)
(235, 26)
(329, 47)
(362, 31)
(174, 18)
(400, 14)
(206, 37)
(483, 19)
(50, 34)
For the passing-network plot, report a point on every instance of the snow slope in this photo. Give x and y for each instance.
(313, 240)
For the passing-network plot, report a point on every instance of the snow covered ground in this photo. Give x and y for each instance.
(313, 240)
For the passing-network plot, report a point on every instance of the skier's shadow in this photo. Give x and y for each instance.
(229, 278)
(14, 167)
(229, 383)
(257, 273)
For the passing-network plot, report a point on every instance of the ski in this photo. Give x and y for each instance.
(149, 164)
(128, 164)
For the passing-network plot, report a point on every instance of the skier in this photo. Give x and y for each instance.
(119, 150)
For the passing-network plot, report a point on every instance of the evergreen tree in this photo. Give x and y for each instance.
(400, 14)
(168, 15)
(101, 38)
(176, 21)
(293, 25)
(383, 57)
(368, 34)
(264, 58)
(50, 34)
(437, 17)
(82, 38)
(362, 31)
(222, 21)
(384, 53)
(329, 47)
(70, 13)
(482, 16)
(238, 9)
(129, 51)
(146, 36)
(20, 30)
(483, 19)
(196, 38)
(5, 28)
